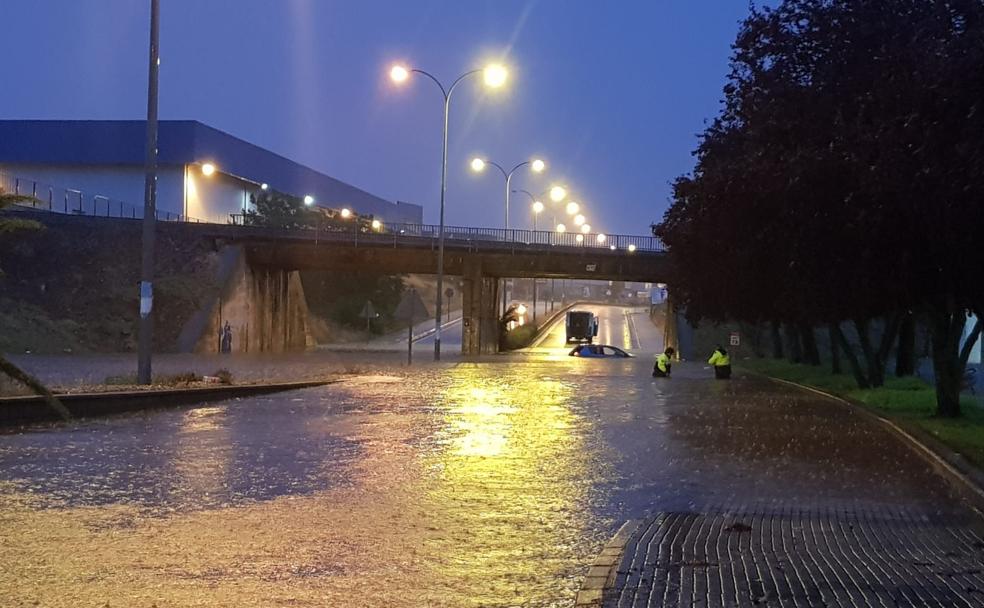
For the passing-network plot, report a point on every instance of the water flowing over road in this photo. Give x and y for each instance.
(491, 482)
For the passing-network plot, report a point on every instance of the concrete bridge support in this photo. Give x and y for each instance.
(480, 301)
(264, 307)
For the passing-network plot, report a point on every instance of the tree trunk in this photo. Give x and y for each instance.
(776, 340)
(795, 349)
(873, 369)
(811, 355)
(835, 360)
(12, 371)
(905, 355)
(949, 359)
(852, 359)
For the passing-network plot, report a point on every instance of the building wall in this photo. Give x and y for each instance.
(118, 183)
(217, 197)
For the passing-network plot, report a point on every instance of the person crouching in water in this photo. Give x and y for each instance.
(721, 362)
(661, 369)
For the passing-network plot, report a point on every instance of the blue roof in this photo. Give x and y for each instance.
(180, 142)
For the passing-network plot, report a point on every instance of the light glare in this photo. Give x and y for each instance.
(585, 228)
(346, 213)
(537, 207)
(578, 219)
(558, 193)
(308, 199)
(399, 74)
(495, 75)
(208, 169)
(601, 238)
(376, 224)
(579, 238)
(538, 166)
(561, 228)
(572, 208)
(632, 247)
(477, 164)
(264, 186)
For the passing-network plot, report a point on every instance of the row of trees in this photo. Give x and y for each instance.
(843, 181)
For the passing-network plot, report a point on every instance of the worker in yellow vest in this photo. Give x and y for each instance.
(661, 369)
(721, 362)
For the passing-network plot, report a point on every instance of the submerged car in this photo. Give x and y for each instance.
(598, 351)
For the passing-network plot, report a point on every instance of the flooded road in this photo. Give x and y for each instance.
(489, 483)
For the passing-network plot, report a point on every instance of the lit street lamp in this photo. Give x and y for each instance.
(494, 76)
(536, 165)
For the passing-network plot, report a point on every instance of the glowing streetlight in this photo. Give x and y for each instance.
(537, 207)
(601, 239)
(399, 74)
(558, 193)
(579, 238)
(308, 200)
(495, 76)
(632, 247)
(536, 165)
(346, 213)
(578, 219)
(264, 186)
(561, 228)
(612, 247)
(208, 169)
(585, 228)
(521, 309)
(572, 208)
(376, 224)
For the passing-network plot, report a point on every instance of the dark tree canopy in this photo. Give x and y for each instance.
(844, 177)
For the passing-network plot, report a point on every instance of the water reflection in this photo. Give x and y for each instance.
(514, 484)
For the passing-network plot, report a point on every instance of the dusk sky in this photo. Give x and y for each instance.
(611, 94)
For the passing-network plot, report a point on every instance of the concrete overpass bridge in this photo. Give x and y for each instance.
(482, 257)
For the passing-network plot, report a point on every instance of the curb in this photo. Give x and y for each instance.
(601, 575)
(19, 411)
(967, 479)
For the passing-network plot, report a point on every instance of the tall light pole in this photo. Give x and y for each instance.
(495, 76)
(145, 341)
(536, 208)
(536, 165)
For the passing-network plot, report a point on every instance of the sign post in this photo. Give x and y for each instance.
(449, 292)
(412, 310)
(368, 313)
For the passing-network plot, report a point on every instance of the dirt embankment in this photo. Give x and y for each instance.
(73, 287)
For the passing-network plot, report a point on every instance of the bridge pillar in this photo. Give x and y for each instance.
(479, 321)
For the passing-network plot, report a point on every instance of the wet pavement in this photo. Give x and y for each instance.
(485, 483)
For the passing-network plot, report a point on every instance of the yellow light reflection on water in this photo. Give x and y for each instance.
(511, 483)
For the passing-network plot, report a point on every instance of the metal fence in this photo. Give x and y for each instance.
(479, 237)
(57, 199)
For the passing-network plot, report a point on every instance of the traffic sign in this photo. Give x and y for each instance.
(411, 308)
(735, 339)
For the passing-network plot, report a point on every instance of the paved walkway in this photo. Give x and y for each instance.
(799, 557)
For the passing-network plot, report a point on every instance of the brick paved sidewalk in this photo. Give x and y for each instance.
(799, 558)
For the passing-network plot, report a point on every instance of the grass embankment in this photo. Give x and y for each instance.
(907, 401)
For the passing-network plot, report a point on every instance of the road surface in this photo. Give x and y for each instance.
(488, 483)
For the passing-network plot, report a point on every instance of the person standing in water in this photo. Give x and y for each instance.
(661, 369)
(721, 362)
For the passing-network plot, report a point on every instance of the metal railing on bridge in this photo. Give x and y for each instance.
(57, 199)
(486, 237)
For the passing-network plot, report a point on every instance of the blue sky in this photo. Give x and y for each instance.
(611, 94)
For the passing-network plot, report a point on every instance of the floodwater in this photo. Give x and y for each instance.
(489, 483)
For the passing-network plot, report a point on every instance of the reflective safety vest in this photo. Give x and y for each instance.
(719, 359)
(663, 362)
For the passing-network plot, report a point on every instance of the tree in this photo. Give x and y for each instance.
(8, 225)
(844, 177)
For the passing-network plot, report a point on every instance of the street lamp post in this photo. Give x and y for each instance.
(495, 76)
(145, 339)
(478, 164)
(536, 208)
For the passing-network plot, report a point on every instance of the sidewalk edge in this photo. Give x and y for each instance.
(601, 575)
(967, 479)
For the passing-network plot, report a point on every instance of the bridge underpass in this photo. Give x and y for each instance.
(481, 258)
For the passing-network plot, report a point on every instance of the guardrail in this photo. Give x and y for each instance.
(57, 199)
(500, 238)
